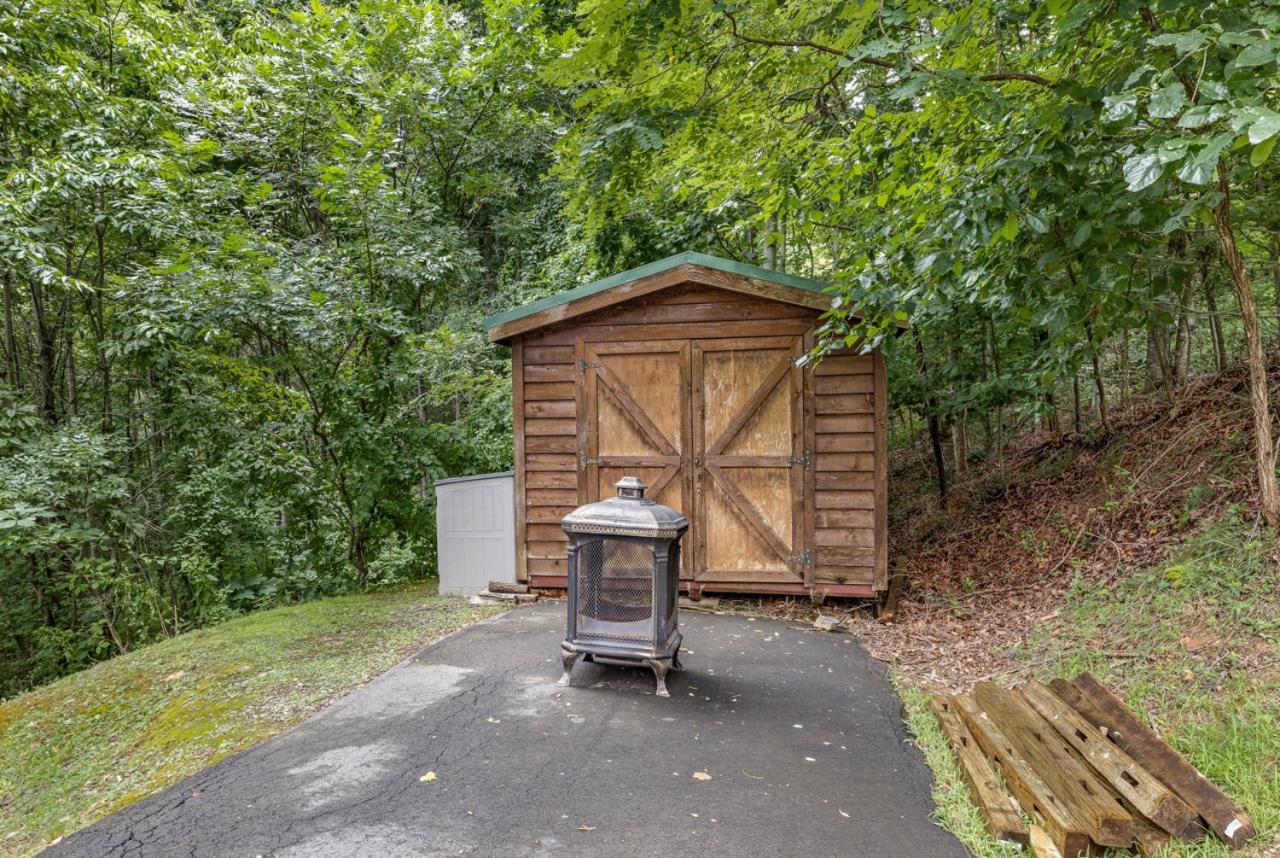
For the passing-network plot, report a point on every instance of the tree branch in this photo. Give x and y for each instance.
(879, 62)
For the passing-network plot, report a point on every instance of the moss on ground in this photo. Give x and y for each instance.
(1194, 645)
(75, 750)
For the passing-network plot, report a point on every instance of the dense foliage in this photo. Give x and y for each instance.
(1059, 194)
(245, 255)
(244, 248)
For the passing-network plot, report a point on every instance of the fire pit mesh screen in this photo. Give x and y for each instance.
(615, 589)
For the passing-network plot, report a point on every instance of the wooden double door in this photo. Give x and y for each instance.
(715, 428)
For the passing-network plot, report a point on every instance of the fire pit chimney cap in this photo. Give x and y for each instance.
(629, 513)
(631, 487)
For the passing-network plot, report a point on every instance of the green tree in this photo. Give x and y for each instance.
(1050, 169)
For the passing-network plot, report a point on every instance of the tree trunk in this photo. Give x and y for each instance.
(45, 346)
(770, 243)
(69, 370)
(1182, 340)
(1273, 248)
(10, 338)
(935, 430)
(1215, 323)
(1255, 357)
(1126, 370)
(960, 445)
(995, 368)
(1159, 373)
(424, 487)
(1075, 395)
(1096, 359)
(1052, 423)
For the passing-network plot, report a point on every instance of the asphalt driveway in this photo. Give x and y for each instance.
(775, 741)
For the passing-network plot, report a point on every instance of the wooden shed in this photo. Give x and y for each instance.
(683, 372)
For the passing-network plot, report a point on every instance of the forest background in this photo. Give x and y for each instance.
(245, 250)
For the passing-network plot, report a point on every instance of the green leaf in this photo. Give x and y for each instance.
(1010, 229)
(1183, 43)
(1262, 151)
(1116, 108)
(1201, 115)
(1173, 150)
(1266, 126)
(1142, 170)
(1212, 90)
(1037, 222)
(1081, 235)
(1198, 169)
(1257, 54)
(1167, 101)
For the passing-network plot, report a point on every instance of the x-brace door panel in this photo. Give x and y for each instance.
(635, 398)
(749, 461)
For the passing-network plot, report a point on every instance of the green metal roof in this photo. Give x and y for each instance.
(688, 258)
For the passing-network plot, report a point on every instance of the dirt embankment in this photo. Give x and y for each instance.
(996, 563)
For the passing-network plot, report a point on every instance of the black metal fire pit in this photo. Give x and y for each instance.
(624, 575)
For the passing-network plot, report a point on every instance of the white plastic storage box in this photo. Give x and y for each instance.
(475, 532)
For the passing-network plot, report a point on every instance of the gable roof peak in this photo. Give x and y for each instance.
(751, 279)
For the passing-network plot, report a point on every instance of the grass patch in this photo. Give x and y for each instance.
(956, 811)
(91, 743)
(1192, 645)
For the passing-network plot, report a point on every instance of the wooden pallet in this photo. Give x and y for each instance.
(1082, 769)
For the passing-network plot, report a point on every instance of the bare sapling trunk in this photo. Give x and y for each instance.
(935, 429)
(1182, 340)
(960, 445)
(1255, 356)
(1159, 370)
(1126, 370)
(1095, 358)
(1211, 305)
(1075, 403)
(770, 243)
(10, 338)
(1273, 249)
(45, 355)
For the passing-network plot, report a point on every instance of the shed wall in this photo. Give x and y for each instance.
(475, 542)
(843, 406)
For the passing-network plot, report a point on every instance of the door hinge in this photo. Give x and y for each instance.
(584, 365)
(587, 460)
(805, 559)
(800, 460)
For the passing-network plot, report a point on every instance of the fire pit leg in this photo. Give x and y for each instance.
(675, 660)
(568, 658)
(660, 667)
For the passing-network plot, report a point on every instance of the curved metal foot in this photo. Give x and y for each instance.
(660, 667)
(567, 659)
(675, 661)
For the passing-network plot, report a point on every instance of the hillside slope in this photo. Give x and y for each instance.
(75, 750)
(1135, 554)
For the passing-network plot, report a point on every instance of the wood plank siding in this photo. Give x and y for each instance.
(693, 387)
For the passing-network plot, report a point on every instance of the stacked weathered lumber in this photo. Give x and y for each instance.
(1082, 768)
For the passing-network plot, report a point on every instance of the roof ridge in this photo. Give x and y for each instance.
(688, 257)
